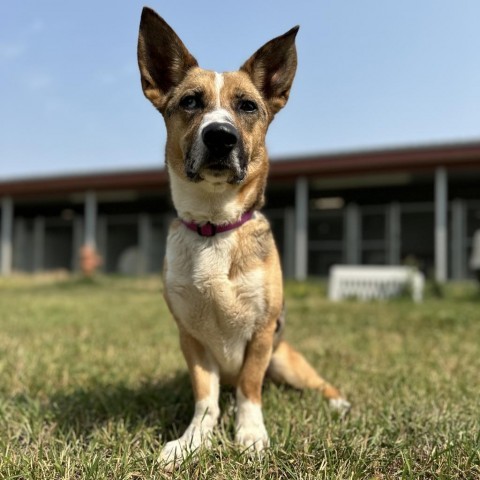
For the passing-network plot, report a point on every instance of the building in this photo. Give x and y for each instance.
(416, 205)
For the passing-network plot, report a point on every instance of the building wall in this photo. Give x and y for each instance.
(378, 237)
(356, 220)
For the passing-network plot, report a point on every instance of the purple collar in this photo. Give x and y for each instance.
(210, 229)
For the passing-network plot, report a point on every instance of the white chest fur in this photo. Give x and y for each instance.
(219, 311)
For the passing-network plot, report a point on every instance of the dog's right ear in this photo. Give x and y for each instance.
(272, 69)
(163, 59)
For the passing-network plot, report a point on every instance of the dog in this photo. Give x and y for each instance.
(222, 275)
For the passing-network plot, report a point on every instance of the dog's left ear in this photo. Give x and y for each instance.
(272, 68)
(163, 59)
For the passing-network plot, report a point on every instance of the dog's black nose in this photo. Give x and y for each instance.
(220, 138)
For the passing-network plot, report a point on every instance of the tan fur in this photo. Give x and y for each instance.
(198, 364)
(289, 366)
(225, 292)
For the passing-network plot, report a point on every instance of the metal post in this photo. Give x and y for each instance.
(301, 228)
(352, 234)
(6, 251)
(393, 234)
(90, 219)
(459, 239)
(441, 220)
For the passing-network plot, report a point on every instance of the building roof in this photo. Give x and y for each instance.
(418, 158)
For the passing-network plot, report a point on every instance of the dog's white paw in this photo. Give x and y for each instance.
(253, 437)
(176, 451)
(198, 434)
(340, 405)
(173, 453)
(250, 429)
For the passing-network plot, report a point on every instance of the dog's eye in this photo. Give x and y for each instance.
(247, 106)
(190, 102)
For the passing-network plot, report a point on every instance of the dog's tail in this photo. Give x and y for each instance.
(290, 367)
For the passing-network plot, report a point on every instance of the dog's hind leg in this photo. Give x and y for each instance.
(290, 367)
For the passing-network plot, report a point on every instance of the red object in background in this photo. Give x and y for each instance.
(89, 260)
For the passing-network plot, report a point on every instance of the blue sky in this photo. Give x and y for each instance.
(371, 73)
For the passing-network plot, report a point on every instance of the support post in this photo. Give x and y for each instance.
(91, 219)
(352, 234)
(459, 240)
(6, 251)
(393, 234)
(301, 228)
(441, 221)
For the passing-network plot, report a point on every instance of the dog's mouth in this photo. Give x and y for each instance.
(217, 174)
(220, 164)
(219, 169)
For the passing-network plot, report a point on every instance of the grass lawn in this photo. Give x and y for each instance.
(92, 383)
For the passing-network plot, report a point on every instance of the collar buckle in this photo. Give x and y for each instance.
(207, 230)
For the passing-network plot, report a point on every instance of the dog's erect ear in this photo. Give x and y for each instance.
(273, 67)
(162, 57)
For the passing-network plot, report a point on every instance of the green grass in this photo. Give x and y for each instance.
(92, 383)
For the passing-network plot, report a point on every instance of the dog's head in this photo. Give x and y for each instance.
(216, 123)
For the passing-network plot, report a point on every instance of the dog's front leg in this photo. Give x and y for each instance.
(250, 428)
(204, 374)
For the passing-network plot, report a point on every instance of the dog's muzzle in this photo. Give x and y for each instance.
(218, 150)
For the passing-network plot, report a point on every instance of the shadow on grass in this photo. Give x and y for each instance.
(166, 406)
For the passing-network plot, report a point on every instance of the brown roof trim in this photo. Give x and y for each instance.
(364, 162)
(411, 159)
(143, 179)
